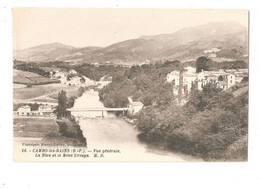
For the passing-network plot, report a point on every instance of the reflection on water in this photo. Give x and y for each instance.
(114, 133)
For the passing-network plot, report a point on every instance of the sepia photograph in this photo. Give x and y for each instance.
(105, 84)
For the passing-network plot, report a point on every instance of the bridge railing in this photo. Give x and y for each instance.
(96, 109)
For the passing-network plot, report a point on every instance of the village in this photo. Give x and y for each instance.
(72, 78)
(184, 81)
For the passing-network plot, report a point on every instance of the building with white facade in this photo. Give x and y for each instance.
(212, 50)
(174, 77)
(134, 107)
(190, 70)
(24, 110)
(224, 79)
(72, 71)
(189, 80)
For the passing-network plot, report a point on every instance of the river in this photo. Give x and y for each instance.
(112, 133)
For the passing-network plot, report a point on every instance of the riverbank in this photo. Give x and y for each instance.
(48, 130)
(158, 146)
(68, 133)
(215, 133)
(114, 132)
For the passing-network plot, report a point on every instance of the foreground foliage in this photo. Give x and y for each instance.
(212, 125)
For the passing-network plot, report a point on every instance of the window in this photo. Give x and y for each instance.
(173, 82)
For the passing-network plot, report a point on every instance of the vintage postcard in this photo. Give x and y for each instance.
(130, 84)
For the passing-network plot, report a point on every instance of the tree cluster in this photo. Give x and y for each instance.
(144, 83)
(206, 64)
(30, 67)
(209, 125)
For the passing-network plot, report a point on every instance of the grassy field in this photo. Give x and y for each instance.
(33, 127)
(44, 130)
(49, 90)
(18, 86)
(23, 77)
(72, 135)
(220, 59)
(45, 99)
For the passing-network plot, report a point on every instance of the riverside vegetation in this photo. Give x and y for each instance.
(213, 124)
(69, 131)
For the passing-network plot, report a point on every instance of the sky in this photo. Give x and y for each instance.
(81, 27)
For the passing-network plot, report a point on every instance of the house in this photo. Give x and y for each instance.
(35, 113)
(74, 81)
(222, 85)
(72, 71)
(213, 50)
(245, 71)
(95, 64)
(184, 82)
(24, 110)
(61, 76)
(227, 80)
(188, 81)
(174, 77)
(212, 55)
(230, 79)
(231, 71)
(190, 69)
(106, 78)
(222, 79)
(134, 107)
(45, 110)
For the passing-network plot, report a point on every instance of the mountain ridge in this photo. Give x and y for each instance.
(186, 43)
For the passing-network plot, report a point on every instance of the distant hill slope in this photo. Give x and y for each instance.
(45, 52)
(187, 43)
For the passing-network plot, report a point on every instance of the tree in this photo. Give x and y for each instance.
(62, 104)
(108, 102)
(34, 106)
(81, 90)
(63, 128)
(71, 101)
(82, 80)
(201, 64)
(220, 78)
(175, 64)
(201, 99)
(28, 85)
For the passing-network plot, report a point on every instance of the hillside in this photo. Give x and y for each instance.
(23, 77)
(45, 52)
(187, 43)
(51, 52)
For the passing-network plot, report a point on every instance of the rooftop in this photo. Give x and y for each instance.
(25, 107)
(137, 103)
(190, 74)
(175, 72)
